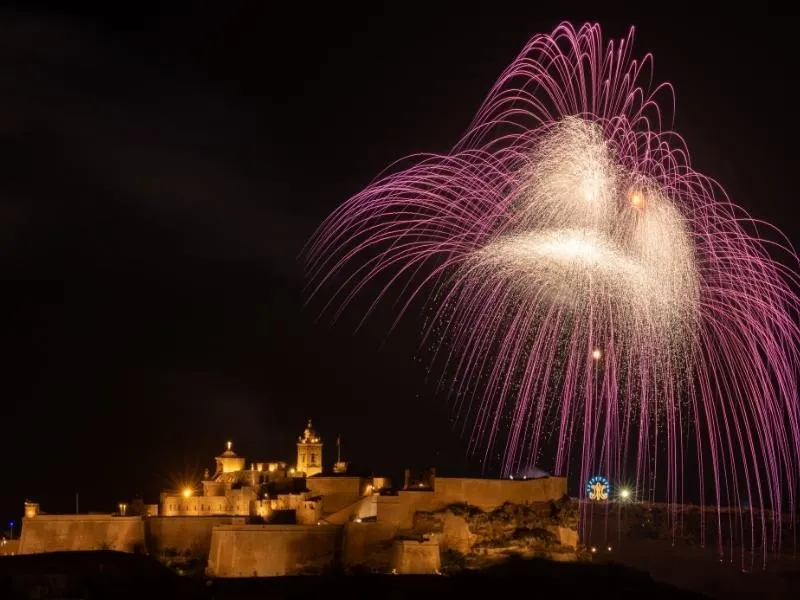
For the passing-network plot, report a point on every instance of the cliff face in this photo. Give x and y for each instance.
(470, 537)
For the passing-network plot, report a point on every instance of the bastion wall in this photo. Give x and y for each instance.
(366, 541)
(184, 534)
(9, 547)
(55, 533)
(336, 492)
(411, 557)
(486, 494)
(271, 550)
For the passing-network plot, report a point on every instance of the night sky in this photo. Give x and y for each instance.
(160, 175)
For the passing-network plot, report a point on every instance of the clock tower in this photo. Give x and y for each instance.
(309, 452)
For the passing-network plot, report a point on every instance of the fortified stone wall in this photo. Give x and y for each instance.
(363, 508)
(392, 510)
(367, 543)
(486, 494)
(309, 512)
(54, 533)
(336, 492)
(184, 534)
(412, 557)
(9, 547)
(270, 550)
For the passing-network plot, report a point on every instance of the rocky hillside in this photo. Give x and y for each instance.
(471, 538)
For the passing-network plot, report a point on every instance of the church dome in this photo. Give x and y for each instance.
(309, 435)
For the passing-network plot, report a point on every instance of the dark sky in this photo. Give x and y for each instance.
(160, 175)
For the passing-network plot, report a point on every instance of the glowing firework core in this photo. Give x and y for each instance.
(641, 260)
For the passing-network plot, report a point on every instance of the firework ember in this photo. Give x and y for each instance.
(591, 294)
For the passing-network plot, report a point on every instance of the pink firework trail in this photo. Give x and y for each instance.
(591, 294)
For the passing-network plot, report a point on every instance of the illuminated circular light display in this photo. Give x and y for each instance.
(598, 488)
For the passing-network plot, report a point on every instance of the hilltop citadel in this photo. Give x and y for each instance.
(273, 518)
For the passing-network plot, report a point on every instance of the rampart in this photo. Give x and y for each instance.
(486, 494)
(184, 535)
(337, 492)
(365, 542)
(269, 550)
(54, 533)
(9, 547)
(412, 557)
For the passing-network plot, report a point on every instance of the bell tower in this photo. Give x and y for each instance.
(309, 452)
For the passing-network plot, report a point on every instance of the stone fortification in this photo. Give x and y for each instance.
(270, 550)
(54, 533)
(182, 536)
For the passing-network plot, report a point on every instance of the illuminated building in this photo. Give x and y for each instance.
(309, 452)
(235, 490)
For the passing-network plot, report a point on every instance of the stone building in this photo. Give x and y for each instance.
(235, 490)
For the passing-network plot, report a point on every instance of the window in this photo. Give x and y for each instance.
(313, 458)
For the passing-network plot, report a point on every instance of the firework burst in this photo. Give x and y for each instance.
(590, 290)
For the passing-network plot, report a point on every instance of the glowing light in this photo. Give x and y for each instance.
(594, 549)
(187, 492)
(291, 471)
(230, 445)
(597, 354)
(609, 548)
(625, 493)
(524, 239)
